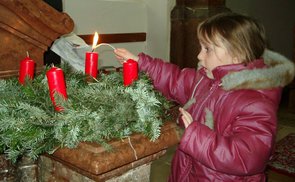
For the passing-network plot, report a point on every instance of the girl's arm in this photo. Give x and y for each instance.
(168, 78)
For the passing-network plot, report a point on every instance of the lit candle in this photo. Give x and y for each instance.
(27, 68)
(130, 71)
(91, 60)
(56, 84)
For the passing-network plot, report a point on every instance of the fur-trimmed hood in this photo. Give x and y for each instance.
(279, 72)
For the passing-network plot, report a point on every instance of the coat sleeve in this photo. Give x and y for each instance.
(246, 147)
(174, 83)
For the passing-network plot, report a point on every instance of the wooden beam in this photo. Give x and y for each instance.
(116, 38)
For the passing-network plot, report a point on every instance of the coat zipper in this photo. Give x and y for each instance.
(213, 87)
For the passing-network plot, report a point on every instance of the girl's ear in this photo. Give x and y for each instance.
(236, 60)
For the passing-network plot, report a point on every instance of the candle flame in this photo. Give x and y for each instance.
(95, 40)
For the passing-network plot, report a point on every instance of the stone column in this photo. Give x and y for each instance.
(185, 18)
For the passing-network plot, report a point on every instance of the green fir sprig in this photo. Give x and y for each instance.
(94, 112)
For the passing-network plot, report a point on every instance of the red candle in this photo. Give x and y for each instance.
(27, 68)
(130, 71)
(56, 83)
(91, 62)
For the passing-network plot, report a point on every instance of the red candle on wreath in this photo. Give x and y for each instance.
(91, 59)
(56, 84)
(130, 71)
(27, 69)
(91, 63)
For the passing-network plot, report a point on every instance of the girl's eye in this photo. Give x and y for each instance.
(207, 49)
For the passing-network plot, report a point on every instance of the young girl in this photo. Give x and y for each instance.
(230, 102)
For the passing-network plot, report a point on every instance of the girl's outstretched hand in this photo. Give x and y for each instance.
(123, 55)
(186, 117)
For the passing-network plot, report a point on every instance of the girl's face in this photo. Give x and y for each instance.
(212, 56)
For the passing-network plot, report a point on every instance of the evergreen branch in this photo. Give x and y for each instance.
(96, 112)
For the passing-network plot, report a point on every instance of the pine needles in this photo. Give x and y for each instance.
(94, 112)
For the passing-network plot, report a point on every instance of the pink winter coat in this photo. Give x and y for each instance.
(234, 128)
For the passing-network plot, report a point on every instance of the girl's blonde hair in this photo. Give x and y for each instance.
(241, 35)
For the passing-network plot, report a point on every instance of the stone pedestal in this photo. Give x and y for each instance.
(51, 169)
(129, 160)
(24, 170)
